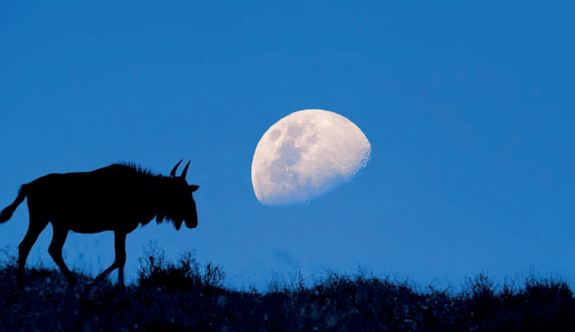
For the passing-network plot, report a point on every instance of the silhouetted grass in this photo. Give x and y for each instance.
(188, 296)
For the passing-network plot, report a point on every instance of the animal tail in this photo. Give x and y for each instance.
(6, 214)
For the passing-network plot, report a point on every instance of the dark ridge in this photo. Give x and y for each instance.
(188, 296)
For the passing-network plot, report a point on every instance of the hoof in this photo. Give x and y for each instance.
(71, 280)
(96, 280)
(20, 285)
(92, 282)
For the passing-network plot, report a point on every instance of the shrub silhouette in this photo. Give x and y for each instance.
(184, 276)
(189, 296)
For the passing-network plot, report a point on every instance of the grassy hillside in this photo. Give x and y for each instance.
(185, 296)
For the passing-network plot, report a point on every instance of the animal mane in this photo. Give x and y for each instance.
(138, 169)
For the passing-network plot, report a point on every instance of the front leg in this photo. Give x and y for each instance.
(120, 245)
(106, 272)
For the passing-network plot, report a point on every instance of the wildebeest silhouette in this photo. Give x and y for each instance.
(115, 198)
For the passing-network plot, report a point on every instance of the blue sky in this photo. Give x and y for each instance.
(468, 106)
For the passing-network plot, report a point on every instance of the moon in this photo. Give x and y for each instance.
(306, 154)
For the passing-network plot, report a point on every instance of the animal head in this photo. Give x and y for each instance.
(179, 202)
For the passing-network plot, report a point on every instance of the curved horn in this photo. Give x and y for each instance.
(185, 170)
(173, 172)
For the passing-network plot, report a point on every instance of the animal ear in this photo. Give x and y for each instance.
(193, 187)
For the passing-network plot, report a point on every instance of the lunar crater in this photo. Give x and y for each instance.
(295, 130)
(289, 153)
(275, 135)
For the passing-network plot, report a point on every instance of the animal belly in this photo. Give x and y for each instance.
(86, 216)
(95, 225)
(84, 225)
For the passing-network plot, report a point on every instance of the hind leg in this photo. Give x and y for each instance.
(34, 229)
(55, 250)
(119, 262)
